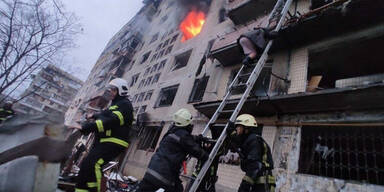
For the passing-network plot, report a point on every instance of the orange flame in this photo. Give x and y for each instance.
(192, 24)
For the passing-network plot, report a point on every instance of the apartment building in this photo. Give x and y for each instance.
(50, 92)
(318, 96)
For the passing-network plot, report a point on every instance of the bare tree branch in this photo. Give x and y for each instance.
(33, 33)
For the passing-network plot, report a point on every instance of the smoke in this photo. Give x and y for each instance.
(201, 5)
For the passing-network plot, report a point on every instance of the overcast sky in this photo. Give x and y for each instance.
(100, 20)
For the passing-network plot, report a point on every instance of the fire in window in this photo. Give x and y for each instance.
(349, 153)
(181, 60)
(166, 96)
(145, 57)
(198, 89)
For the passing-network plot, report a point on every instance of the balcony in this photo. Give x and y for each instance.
(332, 20)
(225, 48)
(366, 97)
(243, 11)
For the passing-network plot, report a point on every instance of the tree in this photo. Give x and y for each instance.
(33, 33)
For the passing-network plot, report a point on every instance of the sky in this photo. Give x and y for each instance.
(100, 20)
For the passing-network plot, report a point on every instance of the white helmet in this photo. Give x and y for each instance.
(121, 85)
(182, 117)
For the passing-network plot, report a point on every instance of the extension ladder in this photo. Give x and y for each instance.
(280, 9)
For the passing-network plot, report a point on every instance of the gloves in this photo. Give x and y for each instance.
(199, 138)
(245, 186)
(87, 127)
(247, 61)
(231, 128)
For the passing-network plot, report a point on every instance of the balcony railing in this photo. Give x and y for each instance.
(243, 11)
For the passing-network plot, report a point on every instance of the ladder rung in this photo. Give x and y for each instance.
(245, 75)
(227, 111)
(240, 86)
(218, 125)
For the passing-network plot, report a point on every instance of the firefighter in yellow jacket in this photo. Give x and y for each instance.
(255, 154)
(111, 128)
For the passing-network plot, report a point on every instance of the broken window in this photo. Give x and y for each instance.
(149, 137)
(141, 97)
(148, 81)
(145, 57)
(343, 152)
(198, 89)
(181, 60)
(148, 95)
(261, 86)
(156, 78)
(166, 96)
(169, 49)
(162, 64)
(174, 38)
(134, 79)
(154, 38)
(354, 63)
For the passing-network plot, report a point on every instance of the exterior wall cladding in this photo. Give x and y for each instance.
(332, 160)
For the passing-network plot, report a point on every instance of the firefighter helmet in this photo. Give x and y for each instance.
(121, 85)
(246, 120)
(182, 117)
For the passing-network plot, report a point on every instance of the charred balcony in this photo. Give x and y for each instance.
(331, 20)
(243, 11)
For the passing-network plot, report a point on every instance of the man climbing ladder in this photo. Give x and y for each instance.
(235, 85)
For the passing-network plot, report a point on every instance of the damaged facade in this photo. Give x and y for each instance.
(318, 97)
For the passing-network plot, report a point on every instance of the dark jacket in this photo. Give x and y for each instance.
(259, 37)
(166, 163)
(256, 155)
(5, 113)
(113, 124)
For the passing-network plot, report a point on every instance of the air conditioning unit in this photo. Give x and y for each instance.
(359, 81)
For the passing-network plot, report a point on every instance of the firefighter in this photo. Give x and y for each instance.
(6, 111)
(255, 154)
(164, 168)
(111, 128)
(252, 43)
